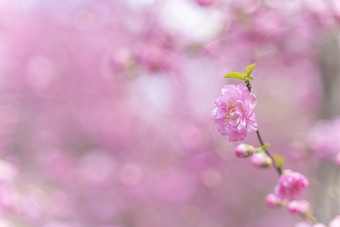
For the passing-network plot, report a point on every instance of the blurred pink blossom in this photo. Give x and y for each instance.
(324, 139)
(291, 185)
(335, 222)
(205, 2)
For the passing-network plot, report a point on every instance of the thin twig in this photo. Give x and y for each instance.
(277, 168)
(309, 216)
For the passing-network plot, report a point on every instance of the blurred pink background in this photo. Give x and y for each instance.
(105, 109)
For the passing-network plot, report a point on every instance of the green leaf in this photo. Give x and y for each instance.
(266, 145)
(279, 160)
(249, 69)
(262, 149)
(236, 75)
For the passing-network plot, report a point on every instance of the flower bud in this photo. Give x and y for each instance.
(261, 160)
(244, 150)
(272, 201)
(298, 206)
(335, 222)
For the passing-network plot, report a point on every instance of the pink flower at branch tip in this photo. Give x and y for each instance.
(234, 112)
(291, 185)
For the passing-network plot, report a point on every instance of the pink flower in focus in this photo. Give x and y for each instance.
(335, 222)
(291, 185)
(234, 112)
(244, 150)
(298, 206)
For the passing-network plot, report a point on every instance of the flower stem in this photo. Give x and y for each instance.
(309, 216)
(276, 167)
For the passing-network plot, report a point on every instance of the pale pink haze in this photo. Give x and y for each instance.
(272, 200)
(305, 224)
(291, 185)
(319, 225)
(261, 160)
(205, 2)
(244, 150)
(234, 112)
(335, 222)
(324, 139)
(298, 206)
(337, 159)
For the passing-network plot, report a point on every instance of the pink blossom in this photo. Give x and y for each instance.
(244, 150)
(298, 206)
(234, 112)
(291, 185)
(261, 160)
(335, 222)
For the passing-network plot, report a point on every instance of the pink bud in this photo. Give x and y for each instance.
(272, 200)
(261, 160)
(298, 206)
(335, 222)
(244, 150)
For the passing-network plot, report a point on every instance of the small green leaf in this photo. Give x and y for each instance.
(262, 149)
(266, 145)
(249, 69)
(279, 160)
(236, 75)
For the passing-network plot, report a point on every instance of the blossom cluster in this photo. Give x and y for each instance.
(232, 114)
